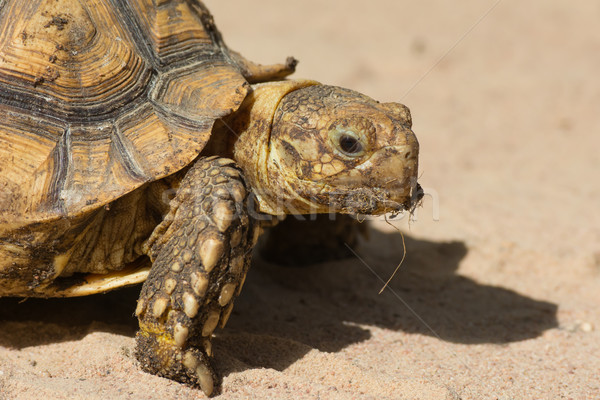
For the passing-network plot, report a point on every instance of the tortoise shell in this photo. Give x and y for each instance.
(99, 97)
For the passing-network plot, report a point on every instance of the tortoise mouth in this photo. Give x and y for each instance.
(385, 183)
(384, 202)
(365, 200)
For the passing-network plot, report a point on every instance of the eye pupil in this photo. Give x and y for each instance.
(350, 145)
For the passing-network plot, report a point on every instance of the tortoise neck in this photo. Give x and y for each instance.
(252, 125)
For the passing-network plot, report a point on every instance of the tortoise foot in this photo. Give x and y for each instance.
(164, 353)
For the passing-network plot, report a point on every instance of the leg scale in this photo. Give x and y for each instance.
(200, 254)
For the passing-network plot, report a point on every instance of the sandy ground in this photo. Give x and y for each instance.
(498, 297)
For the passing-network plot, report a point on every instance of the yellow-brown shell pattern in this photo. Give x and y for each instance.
(98, 97)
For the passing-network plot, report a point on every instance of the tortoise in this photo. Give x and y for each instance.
(135, 146)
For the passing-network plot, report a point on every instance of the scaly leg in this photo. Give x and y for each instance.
(200, 254)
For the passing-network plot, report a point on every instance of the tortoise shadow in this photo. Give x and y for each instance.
(33, 321)
(285, 312)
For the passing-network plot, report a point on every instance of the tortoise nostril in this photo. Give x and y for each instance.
(407, 155)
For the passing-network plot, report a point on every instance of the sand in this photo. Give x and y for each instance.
(498, 296)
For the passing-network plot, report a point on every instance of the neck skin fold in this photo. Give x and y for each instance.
(252, 150)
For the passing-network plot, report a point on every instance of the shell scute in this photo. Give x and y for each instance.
(99, 97)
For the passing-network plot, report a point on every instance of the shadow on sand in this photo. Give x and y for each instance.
(327, 306)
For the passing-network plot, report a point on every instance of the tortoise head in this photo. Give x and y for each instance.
(333, 149)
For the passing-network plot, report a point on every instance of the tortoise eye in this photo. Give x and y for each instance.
(350, 145)
(348, 142)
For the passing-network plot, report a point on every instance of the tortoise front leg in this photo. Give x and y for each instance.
(200, 254)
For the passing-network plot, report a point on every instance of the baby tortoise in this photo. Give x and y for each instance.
(135, 146)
